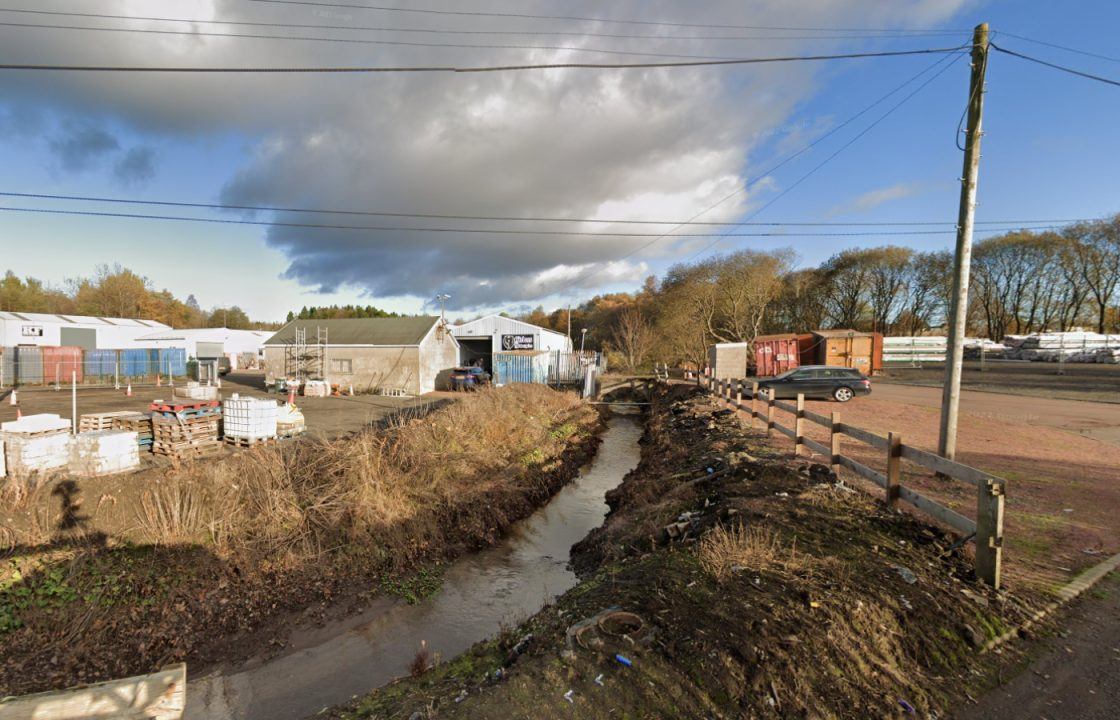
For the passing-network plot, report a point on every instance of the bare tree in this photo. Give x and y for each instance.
(633, 338)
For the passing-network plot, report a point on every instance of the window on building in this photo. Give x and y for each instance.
(341, 365)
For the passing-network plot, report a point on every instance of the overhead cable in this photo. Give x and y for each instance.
(519, 218)
(577, 18)
(865, 35)
(1056, 46)
(479, 231)
(469, 69)
(1063, 68)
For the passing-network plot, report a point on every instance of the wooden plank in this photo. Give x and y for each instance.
(875, 441)
(788, 432)
(834, 436)
(799, 426)
(989, 532)
(818, 418)
(819, 448)
(930, 507)
(158, 696)
(863, 471)
(947, 467)
(785, 406)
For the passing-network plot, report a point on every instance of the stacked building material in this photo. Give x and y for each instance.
(915, 349)
(104, 452)
(289, 421)
(1076, 346)
(36, 444)
(248, 421)
(316, 388)
(196, 391)
(186, 430)
(139, 423)
(102, 421)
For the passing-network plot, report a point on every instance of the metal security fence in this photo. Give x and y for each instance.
(29, 367)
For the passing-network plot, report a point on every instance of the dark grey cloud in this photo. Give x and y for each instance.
(634, 143)
(136, 166)
(80, 145)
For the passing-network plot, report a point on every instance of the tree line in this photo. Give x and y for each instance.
(1021, 282)
(116, 291)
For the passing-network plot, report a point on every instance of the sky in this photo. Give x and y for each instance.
(867, 140)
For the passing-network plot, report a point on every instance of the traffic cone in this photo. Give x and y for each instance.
(12, 399)
(128, 390)
(19, 413)
(291, 395)
(351, 390)
(159, 380)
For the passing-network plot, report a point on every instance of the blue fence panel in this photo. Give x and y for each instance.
(520, 368)
(173, 360)
(100, 363)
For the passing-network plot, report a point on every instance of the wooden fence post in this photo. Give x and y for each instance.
(770, 413)
(799, 427)
(989, 531)
(894, 467)
(738, 396)
(834, 442)
(727, 390)
(754, 401)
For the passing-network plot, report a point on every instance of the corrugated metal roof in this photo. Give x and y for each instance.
(54, 319)
(359, 331)
(491, 324)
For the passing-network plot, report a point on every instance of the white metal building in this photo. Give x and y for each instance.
(480, 339)
(209, 342)
(89, 333)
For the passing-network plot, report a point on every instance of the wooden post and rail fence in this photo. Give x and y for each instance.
(987, 527)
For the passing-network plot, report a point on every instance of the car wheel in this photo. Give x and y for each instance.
(843, 394)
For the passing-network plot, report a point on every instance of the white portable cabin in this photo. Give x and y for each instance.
(89, 333)
(480, 339)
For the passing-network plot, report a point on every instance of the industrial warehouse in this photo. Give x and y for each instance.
(410, 356)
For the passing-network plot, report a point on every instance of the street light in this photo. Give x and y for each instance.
(582, 339)
(441, 299)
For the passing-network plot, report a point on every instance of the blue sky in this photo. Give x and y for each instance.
(664, 147)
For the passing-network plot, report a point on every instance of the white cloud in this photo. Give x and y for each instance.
(624, 143)
(874, 198)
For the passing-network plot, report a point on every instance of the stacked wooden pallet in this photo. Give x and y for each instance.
(102, 421)
(137, 422)
(186, 430)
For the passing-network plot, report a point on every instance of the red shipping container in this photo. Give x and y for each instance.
(59, 362)
(774, 354)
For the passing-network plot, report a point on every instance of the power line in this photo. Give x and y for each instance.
(1060, 47)
(361, 41)
(443, 31)
(591, 272)
(839, 150)
(516, 218)
(469, 69)
(577, 18)
(1063, 68)
(482, 231)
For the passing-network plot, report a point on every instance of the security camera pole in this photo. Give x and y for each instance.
(441, 299)
(958, 312)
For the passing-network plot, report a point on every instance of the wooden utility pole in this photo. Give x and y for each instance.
(958, 311)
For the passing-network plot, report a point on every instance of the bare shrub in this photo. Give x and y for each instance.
(171, 513)
(421, 661)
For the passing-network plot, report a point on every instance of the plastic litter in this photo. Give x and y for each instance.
(599, 679)
(624, 660)
(568, 697)
(907, 707)
(906, 574)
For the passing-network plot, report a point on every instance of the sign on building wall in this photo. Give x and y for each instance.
(32, 331)
(518, 342)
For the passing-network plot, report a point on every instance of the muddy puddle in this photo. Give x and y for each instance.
(500, 585)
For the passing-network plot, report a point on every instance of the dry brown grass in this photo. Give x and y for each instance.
(397, 488)
(724, 551)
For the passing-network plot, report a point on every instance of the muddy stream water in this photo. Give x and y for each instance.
(503, 584)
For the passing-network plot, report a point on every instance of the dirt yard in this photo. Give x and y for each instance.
(728, 583)
(1079, 381)
(1062, 494)
(326, 417)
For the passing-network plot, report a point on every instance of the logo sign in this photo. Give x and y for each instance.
(518, 342)
(32, 331)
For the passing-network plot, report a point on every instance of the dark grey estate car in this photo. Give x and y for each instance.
(818, 381)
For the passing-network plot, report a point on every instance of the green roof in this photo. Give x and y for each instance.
(358, 331)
